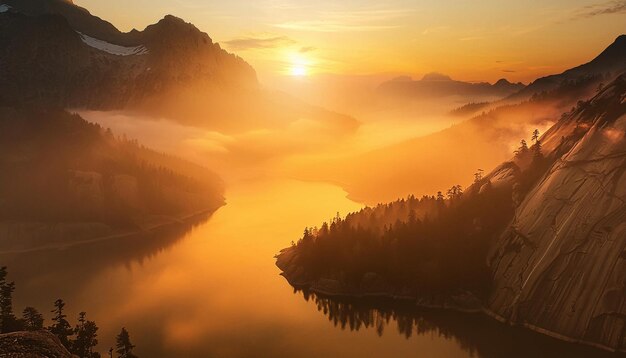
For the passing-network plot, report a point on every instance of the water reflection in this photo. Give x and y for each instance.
(476, 334)
(65, 271)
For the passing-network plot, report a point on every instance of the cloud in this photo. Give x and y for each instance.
(374, 19)
(509, 71)
(433, 30)
(472, 38)
(331, 26)
(307, 49)
(247, 43)
(605, 8)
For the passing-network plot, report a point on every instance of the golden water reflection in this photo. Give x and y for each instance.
(213, 290)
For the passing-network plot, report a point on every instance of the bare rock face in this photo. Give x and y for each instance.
(41, 344)
(560, 268)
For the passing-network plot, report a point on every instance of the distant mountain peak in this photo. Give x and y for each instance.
(172, 26)
(172, 19)
(436, 76)
(502, 82)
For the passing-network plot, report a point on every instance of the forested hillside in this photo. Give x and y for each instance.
(58, 168)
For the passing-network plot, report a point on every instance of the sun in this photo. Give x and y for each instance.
(298, 65)
(299, 70)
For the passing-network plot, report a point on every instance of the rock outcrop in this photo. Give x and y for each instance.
(40, 344)
(560, 268)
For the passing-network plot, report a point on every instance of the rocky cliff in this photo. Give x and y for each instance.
(41, 344)
(560, 268)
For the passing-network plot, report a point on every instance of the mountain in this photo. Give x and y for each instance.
(602, 69)
(79, 18)
(436, 85)
(560, 267)
(55, 53)
(51, 59)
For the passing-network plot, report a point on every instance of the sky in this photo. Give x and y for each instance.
(478, 40)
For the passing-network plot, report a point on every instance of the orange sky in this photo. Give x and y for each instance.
(468, 40)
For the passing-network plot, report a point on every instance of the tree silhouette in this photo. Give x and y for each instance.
(535, 137)
(61, 327)
(85, 342)
(8, 321)
(33, 320)
(522, 150)
(478, 176)
(124, 347)
(455, 192)
(537, 150)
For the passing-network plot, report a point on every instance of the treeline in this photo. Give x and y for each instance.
(58, 167)
(81, 340)
(436, 244)
(469, 109)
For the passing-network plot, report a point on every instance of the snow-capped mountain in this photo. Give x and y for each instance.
(55, 53)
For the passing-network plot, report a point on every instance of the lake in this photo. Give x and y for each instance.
(213, 290)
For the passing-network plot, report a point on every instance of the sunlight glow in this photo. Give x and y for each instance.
(299, 71)
(299, 65)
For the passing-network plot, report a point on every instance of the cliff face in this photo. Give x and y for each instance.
(560, 267)
(41, 344)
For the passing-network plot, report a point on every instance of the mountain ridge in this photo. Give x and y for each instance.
(435, 85)
(604, 67)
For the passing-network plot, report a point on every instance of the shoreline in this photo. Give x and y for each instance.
(182, 219)
(329, 293)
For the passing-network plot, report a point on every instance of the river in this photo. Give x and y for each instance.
(214, 291)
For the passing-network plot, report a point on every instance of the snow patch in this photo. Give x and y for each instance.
(4, 8)
(112, 48)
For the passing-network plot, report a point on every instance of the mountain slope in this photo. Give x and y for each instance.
(78, 17)
(560, 267)
(602, 69)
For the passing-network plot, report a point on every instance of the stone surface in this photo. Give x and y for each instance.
(560, 268)
(40, 344)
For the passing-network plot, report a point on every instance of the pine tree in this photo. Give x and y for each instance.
(522, 150)
(85, 342)
(123, 345)
(478, 176)
(33, 320)
(8, 321)
(455, 192)
(537, 150)
(61, 327)
(535, 137)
